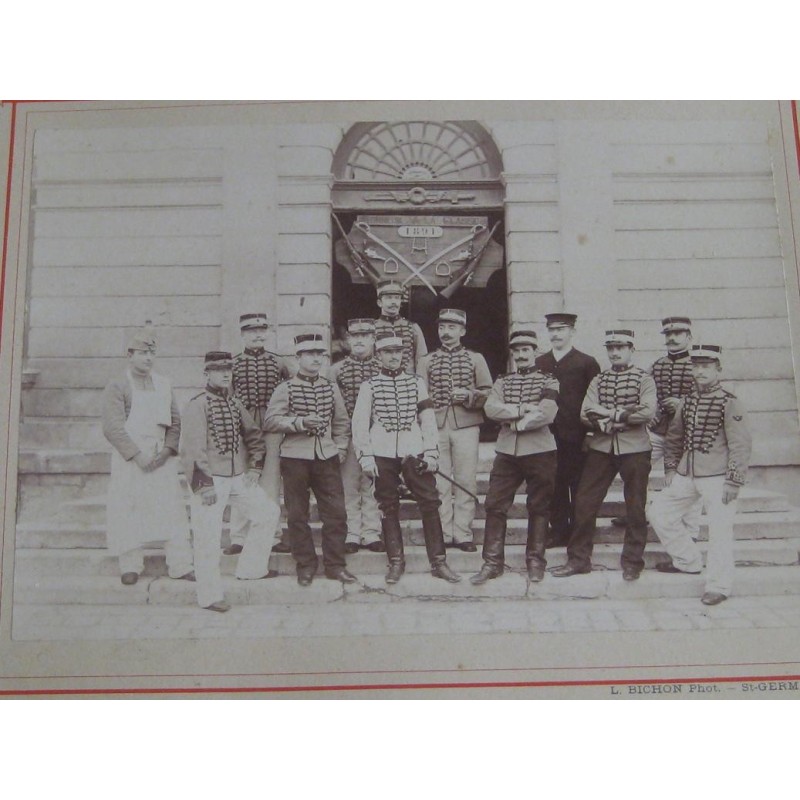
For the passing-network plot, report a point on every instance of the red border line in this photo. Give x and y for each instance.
(405, 687)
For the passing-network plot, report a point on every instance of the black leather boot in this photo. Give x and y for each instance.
(434, 545)
(393, 538)
(493, 551)
(535, 548)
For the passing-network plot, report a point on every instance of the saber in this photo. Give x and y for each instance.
(474, 231)
(458, 486)
(363, 226)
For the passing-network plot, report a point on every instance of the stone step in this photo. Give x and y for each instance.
(45, 433)
(371, 588)
(97, 562)
(93, 509)
(764, 525)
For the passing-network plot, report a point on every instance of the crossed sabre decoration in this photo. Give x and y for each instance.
(364, 267)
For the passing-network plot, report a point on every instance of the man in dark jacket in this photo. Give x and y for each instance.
(574, 371)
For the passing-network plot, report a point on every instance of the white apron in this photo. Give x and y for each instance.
(145, 506)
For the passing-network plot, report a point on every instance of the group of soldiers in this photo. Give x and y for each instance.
(390, 419)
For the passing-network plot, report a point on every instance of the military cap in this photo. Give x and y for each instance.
(560, 320)
(309, 341)
(453, 315)
(218, 359)
(669, 324)
(388, 341)
(523, 334)
(391, 287)
(250, 321)
(706, 352)
(362, 325)
(619, 336)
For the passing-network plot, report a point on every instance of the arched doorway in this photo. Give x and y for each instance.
(422, 202)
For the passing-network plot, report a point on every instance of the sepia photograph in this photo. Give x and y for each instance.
(408, 395)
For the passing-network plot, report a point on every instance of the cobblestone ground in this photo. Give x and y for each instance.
(399, 617)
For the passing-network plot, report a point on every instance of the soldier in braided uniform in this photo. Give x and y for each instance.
(309, 410)
(390, 298)
(256, 373)
(525, 402)
(458, 382)
(706, 455)
(394, 434)
(618, 405)
(222, 452)
(363, 517)
(674, 380)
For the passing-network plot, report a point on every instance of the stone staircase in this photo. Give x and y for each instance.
(60, 555)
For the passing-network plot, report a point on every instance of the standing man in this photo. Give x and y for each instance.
(394, 435)
(145, 503)
(256, 373)
(706, 457)
(525, 402)
(309, 410)
(458, 382)
(574, 371)
(363, 517)
(222, 452)
(390, 297)
(618, 405)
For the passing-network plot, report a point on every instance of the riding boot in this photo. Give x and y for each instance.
(393, 538)
(493, 551)
(434, 545)
(535, 548)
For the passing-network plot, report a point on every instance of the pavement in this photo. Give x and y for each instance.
(371, 612)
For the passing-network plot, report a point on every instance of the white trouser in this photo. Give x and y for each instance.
(261, 515)
(363, 516)
(666, 515)
(270, 482)
(178, 550)
(691, 519)
(458, 458)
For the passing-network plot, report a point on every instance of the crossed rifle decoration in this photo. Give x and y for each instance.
(364, 267)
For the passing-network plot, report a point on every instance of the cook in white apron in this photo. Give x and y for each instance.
(146, 507)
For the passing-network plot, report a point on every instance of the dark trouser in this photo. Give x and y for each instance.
(508, 472)
(423, 488)
(568, 474)
(598, 473)
(323, 478)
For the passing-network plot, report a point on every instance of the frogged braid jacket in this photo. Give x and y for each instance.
(709, 435)
(298, 397)
(522, 432)
(631, 394)
(218, 437)
(444, 370)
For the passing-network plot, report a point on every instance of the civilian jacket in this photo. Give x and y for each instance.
(574, 373)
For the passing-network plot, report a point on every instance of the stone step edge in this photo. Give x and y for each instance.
(741, 518)
(284, 592)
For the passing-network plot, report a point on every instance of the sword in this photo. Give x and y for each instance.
(417, 462)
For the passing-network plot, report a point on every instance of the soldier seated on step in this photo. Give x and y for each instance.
(526, 403)
(222, 452)
(619, 404)
(706, 456)
(309, 411)
(394, 435)
(145, 502)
